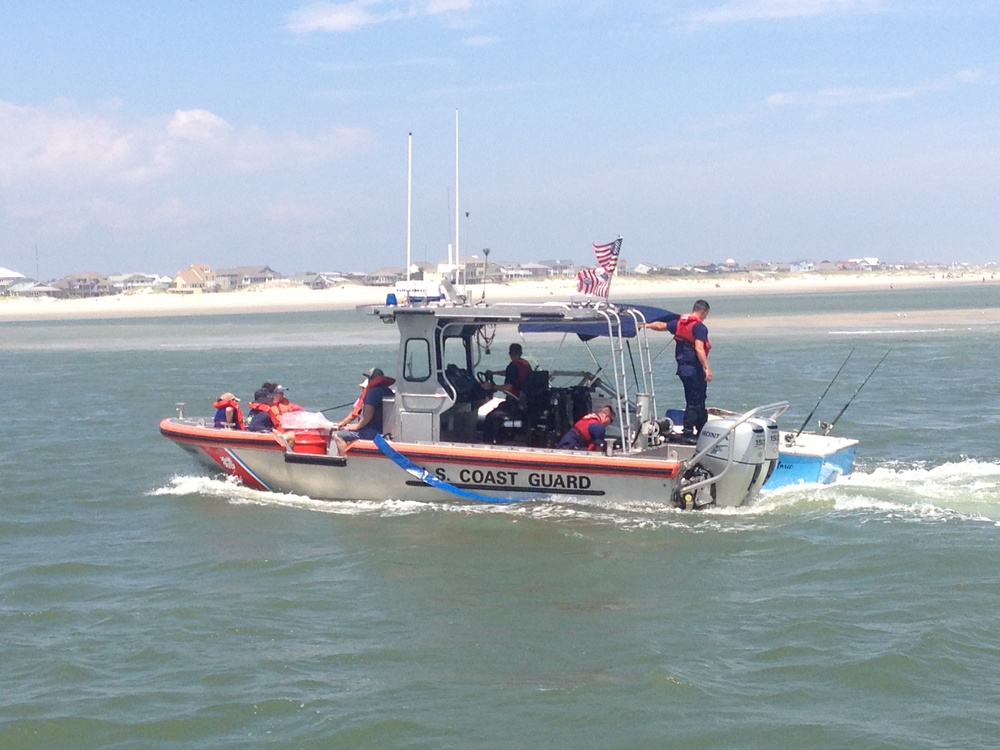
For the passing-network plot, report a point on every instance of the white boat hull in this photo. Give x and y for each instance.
(501, 473)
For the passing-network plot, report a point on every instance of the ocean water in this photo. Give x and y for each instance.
(144, 605)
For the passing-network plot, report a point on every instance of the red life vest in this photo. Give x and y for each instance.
(582, 428)
(237, 412)
(685, 330)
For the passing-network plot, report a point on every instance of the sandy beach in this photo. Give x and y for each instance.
(674, 292)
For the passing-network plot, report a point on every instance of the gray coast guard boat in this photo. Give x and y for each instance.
(433, 449)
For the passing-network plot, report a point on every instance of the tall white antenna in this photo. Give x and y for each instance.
(409, 200)
(458, 254)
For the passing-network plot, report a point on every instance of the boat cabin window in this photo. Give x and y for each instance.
(417, 360)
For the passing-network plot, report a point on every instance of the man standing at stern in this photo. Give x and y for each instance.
(691, 353)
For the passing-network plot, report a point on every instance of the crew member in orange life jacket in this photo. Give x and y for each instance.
(691, 354)
(228, 415)
(588, 432)
(368, 422)
(359, 405)
(280, 405)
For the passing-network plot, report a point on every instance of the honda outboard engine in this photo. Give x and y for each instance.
(771, 449)
(738, 474)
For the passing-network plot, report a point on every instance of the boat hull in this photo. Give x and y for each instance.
(263, 462)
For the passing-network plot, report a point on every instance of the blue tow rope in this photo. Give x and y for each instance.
(427, 478)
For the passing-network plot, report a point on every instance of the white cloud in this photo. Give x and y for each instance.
(196, 125)
(737, 11)
(48, 140)
(60, 147)
(852, 96)
(355, 14)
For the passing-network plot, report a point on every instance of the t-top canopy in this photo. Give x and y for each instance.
(589, 329)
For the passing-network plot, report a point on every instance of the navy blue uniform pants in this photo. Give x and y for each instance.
(695, 395)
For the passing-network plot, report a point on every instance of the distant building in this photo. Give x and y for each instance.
(33, 289)
(241, 277)
(865, 264)
(8, 278)
(323, 280)
(385, 276)
(198, 278)
(559, 267)
(473, 269)
(513, 272)
(535, 270)
(124, 282)
(89, 284)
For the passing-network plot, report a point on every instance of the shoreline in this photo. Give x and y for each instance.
(346, 297)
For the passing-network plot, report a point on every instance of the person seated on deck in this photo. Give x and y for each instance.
(228, 415)
(513, 378)
(258, 418)
(280, 405)
(356, 408)
(588, 434)
(368, 424)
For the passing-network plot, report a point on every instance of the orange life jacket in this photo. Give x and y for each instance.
(237, 412)
(685, 330)
(582, 428)
(276, 410)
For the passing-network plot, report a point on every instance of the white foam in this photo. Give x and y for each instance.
(967, 490)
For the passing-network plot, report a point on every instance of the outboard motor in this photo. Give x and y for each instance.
(771, 449)
(738, 483)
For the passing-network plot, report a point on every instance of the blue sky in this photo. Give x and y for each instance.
(148, 136)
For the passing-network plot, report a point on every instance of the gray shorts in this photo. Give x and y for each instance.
(348, 436)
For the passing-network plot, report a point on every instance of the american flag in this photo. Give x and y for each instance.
(593, 281)
(607, 255)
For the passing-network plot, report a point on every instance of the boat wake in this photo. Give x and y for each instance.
(967, 490)
(962, 491)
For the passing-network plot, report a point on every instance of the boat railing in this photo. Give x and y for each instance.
(775, 410)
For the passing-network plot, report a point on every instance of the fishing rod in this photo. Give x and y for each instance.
(334, 408)
(828, 426)
(809, 418)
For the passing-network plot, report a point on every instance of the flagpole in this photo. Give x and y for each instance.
(458, 254)
(409, 200)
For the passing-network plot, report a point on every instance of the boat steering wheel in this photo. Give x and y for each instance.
(485, 376)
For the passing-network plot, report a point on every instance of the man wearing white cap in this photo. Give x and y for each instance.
(368, 423)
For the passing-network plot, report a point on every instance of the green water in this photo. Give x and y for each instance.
(144, 605)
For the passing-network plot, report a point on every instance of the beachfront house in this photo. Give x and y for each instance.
(323, 280)
(561, 267)
(242, 277)
(197, 278)
(9, 278)
(127, 282)
(385, 276)
(32, 289)
(89, 284)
